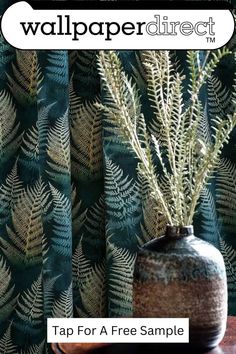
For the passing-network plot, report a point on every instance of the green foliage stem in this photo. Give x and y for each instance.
(174, 136)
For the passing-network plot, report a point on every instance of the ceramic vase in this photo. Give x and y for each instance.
(180, 275)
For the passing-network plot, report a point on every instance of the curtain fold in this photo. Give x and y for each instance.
(72, 210)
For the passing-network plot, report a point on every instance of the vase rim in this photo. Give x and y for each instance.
(179, 231)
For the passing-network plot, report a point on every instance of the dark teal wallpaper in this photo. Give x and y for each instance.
(72, 211)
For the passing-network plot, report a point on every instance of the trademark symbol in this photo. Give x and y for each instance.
(210, 39)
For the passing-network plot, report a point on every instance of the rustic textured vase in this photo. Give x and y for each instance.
(180, 275)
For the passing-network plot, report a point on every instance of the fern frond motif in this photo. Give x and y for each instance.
(122, 198)
(229, 256)
(226, 194)
(29, 308)
(62, 223)
(122, 110)
(30, 147)
(204, 130)
(75, 103)
(95, 220)
(91, 284)
(78, 216)
(7, 301)
(49, 295)
(165, 93)
(42, 127)
(9, 137)
(27, 77)
(219, 98)
(73, 54)
(76, 205)
(35, 349)
(59, 148)
(86, 64)
(139, 72)
(57, 70)
(41, 131)
(196, 62)
(86, 133)
(26, 233)
(6, 53)
(93, 292)
(120, 280)
(209, 218)
(63, 307)
(114, 145)
(79, 262)
(151, 221)
(6, 343)
(154, 223)
(9, 193)
(174, 138)
(121, 94)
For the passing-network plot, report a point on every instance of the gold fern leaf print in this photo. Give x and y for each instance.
(9, 127)
(86, 134)
(58, 148)
(26, 78)
(26, 232)
(7, 298)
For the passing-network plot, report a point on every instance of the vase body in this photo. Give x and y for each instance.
(180, 275)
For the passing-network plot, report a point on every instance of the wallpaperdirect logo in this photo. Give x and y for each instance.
(26, 28)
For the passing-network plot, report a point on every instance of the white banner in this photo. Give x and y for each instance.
(118, 330)
(26, 28)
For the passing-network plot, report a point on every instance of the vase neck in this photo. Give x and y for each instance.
(178, 231)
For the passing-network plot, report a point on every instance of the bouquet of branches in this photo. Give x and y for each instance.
(186, 155)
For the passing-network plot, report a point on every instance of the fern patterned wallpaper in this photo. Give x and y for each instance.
(72, 212)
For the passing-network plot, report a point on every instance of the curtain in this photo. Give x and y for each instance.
(72, 210)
